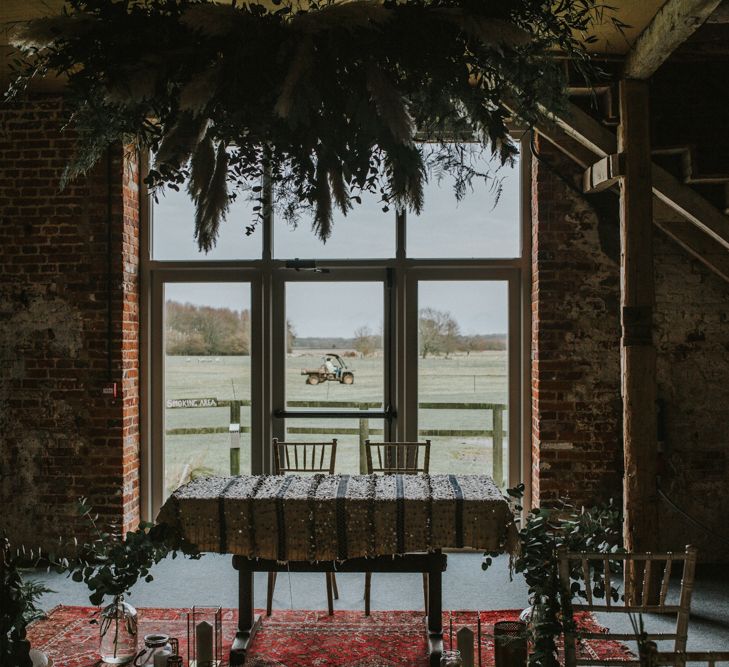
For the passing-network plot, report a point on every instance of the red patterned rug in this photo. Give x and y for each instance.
(295, 638)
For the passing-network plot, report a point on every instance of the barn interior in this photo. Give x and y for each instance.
(565, 328)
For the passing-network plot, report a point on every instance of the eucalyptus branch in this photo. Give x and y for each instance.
(111, 563)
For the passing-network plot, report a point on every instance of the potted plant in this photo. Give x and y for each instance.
(544, 531)
(18, 607)
(110, 564)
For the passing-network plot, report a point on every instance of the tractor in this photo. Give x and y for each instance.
(333, 368)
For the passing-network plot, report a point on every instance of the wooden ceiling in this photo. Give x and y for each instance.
(611, 42)
(636, 13)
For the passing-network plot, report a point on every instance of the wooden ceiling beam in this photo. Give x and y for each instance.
(700, 246)
(709, 240)
(572, 148)
(672, 25)
(604, 174)
(690, 205)
(721, 15)
(687, 202)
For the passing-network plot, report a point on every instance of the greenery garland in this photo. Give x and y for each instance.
(328, 101)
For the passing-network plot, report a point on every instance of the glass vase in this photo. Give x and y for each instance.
(451, 658)
(118, 632)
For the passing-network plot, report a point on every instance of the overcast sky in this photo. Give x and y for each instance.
(475, 227)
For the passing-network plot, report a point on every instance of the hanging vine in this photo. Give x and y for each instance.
(332, 99)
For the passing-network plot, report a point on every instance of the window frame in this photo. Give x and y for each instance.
(267, 277)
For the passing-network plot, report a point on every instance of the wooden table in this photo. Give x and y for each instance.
(432, 564)
(341, 523)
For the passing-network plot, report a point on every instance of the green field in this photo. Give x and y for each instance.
(477, 378)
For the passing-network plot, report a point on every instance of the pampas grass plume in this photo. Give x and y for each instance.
(391, 106)
(213, 205)
(299, 71)
(179, 143)
(196, 94)
(43, 32)
(212, 20)
(347, 15)
(202, 168)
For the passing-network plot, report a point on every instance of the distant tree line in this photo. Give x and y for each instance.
(438, 334)
(203, 330)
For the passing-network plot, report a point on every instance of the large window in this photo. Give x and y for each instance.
(400, 327)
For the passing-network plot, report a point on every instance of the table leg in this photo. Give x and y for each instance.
(248, 624)
(435, 615)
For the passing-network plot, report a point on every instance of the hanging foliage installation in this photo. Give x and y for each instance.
(327, 100)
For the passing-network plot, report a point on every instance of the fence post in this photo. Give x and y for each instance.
(497, 440)
(234, 430)
(364, 434)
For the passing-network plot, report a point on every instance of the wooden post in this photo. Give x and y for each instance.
(234, 430)
(464, 640)
(637, 296)
(364, 434)
(497, 440)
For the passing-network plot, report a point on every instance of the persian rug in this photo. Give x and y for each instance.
(296, 638)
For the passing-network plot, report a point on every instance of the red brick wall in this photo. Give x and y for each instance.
(576, 409)
(60, 438)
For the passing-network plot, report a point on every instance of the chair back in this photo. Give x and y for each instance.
(292, 457)
(392, 458)
(680, 658)
(649, 575)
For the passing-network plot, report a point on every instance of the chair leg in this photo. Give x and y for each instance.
(368, 590)
(330, 601)
(334, 585)
(269, 592)
(425, 591)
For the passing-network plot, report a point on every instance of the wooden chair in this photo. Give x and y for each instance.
(398, 457)
(651, 572)
(298, 457)
(394, 458)
(304, 457)
(680, 658)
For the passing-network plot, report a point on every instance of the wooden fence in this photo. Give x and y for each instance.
(363, 430)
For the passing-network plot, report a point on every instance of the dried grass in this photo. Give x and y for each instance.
(390, 105)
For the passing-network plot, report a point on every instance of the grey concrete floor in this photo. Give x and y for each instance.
(212, 580)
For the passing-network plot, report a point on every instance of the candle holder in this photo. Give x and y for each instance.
(205, 636)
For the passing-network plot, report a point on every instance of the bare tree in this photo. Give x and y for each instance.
(365, 342)
(439, 332)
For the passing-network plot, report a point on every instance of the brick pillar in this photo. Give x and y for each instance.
(576, 424)
(61, 438)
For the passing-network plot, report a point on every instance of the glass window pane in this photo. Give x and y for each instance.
(334, 357)
(207, 380)
(173, 229)
(477, 226)
(462, 375)
(365, 232)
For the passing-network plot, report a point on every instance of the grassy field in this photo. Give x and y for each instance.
(477, 378)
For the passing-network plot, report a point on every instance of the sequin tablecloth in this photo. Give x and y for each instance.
(336, 517)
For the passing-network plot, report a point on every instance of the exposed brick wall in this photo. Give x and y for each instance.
(60, 439)
(692, 340)
(576, 431)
